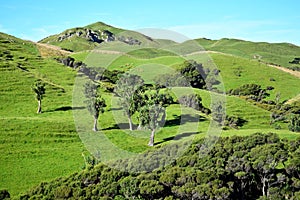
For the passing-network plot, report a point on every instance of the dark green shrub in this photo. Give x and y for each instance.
(251, 91)
(294, 124)
(4, 194)
(191, 100)
(194, 72)
(234, 121)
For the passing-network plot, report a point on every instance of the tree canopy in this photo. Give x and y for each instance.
(126, 87)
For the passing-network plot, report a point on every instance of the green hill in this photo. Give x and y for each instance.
(235, 71)
(34, 147)
(91, 36)
(41, 147)
(277, 53)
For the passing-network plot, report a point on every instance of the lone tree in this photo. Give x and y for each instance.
(126, 87)
(153, 114)
(194, 73)
(39, 90)
(95, 103)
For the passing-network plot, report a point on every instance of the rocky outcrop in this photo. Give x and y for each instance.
(129, 40)
(97, 36)
(70, 62)
(91, 35)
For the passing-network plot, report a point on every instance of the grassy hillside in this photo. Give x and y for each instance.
(41, 147)
(82, 38)
(235, 71)
(277, 53)
(34, 147)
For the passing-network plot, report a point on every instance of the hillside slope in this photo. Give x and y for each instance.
(91, 36)
(47, 146)
(276, 53)
(34, 147)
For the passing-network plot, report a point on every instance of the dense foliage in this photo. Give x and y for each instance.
(188, 74)
(127, 85)
(253, 167)
(252, 91)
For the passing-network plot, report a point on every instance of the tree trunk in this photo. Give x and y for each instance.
(163, 119)
(130, 123)
(264, 186)
(95, 124)
(39, 110)
(139, 127)
(151, 141)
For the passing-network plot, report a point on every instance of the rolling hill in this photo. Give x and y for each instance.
(277, 53)
(41, 147)
(91, 36)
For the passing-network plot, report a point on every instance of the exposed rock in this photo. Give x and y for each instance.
(79, 33)
(70, 62)
(92, 36)
(97, 36)
(129, 40)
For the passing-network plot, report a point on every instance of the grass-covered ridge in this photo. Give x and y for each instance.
(276, 53)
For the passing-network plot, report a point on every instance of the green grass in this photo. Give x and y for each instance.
(41, 147)
(278, 53)
(148, 53)
(34, 147)
(256, 117)
(165, 60)
(252, 72)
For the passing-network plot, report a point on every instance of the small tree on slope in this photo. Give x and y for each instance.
(39, 90)
(126, 87)
(153, 113)
(95, 103)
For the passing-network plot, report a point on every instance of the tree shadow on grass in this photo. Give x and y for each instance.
(121, 126)
(182, 119)
(177, 137)
(112, 109)
(66, 108)
(178, 120)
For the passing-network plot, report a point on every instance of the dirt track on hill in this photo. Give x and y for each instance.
(47, 50)
(294, 73)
